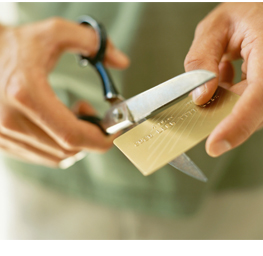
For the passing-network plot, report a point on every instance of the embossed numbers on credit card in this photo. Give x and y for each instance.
(163, 137)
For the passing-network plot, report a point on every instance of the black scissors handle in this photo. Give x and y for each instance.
(110, 92)
(94, 120)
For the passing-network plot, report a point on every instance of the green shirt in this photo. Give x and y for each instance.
(156, 36)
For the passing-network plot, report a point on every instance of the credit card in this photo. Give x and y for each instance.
(166, 135)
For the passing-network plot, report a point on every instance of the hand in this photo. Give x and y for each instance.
(34, 125)
(231, 31)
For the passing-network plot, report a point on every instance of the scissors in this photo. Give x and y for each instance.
(124, 114)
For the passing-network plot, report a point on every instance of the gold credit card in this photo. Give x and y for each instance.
(163, 137)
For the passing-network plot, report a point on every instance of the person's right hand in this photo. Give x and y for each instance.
(34, 125)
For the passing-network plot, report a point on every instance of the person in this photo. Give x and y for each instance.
(106, 189)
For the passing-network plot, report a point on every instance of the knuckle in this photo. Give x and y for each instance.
(192, 61)
(17, 94)
(53, 28)
(208, 24)
(54, 23)
(245, 132)
(200, 26)
(5, 124)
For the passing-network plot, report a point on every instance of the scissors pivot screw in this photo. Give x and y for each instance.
(83, 62)
(117, 114)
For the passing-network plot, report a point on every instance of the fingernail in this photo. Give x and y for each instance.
(66, 163)
(219, 148)
(198, 92)
(80, 155)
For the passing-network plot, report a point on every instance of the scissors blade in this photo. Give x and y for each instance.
(184, 164)
(130, 111)
(145, 103)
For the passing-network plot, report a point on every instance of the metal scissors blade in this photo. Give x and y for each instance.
(184, 164)
(130, 111)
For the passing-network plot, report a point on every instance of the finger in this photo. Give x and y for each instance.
(115, 58)
(76, 38)
(83, 108)
(16, 126)
(226, 72)
(243, 76)
(246, 115)
(235, 128)
(67, 162)
(239, 88)
(27, 153)
(44, 109)
(260, 126)
(27, 158)
(206, 52)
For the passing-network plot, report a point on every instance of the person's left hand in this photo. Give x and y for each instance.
(231, 31)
